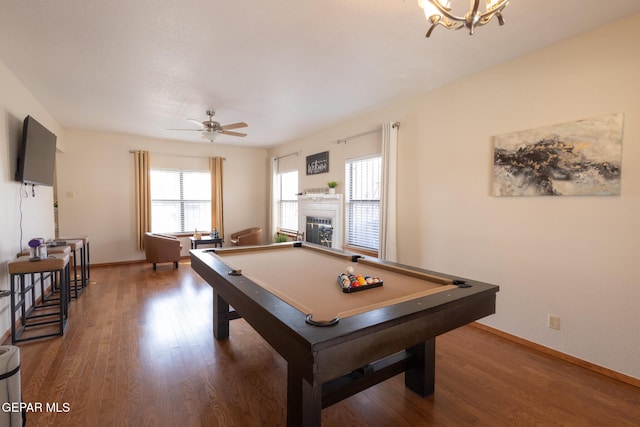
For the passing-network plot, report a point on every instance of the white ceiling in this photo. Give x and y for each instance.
(286, 67)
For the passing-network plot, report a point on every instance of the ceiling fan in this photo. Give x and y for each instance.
(210, 128)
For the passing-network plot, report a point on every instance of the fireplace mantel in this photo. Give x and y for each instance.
(321, 197)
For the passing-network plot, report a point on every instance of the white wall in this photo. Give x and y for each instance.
(96, 194)
(22, 216)
(574, 257)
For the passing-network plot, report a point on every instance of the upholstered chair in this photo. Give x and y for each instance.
(161, 248)
(249, 236)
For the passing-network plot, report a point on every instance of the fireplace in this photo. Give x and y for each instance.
(319, 230)
(320, 216)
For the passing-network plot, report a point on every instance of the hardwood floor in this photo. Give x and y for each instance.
(139, 351)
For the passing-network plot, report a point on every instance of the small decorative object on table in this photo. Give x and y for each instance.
(354, 282)
(37, 249)
(332, 186)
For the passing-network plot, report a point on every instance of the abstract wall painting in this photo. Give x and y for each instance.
(581, 158)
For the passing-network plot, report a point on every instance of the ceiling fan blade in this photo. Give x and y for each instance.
(198, 122)
(226, 132)
(234, 126)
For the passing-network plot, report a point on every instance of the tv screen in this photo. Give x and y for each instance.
(36, 161)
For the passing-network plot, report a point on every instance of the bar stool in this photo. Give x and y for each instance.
(87, 253)
(77, 246)
(35, 317)
(48, 299)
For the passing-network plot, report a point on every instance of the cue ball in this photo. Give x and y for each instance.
(350, 270)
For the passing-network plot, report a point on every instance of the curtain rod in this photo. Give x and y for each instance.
(179, 155)
(286, 155)
(344, 140)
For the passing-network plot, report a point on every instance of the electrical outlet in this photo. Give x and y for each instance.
(553, 322)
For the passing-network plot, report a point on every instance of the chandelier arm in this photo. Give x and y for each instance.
(445, 11)
(486, 20)
(497, 11)
(450, 26)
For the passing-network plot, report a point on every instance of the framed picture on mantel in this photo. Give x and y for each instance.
(318, 163)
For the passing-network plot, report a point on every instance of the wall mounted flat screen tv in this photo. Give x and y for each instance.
(37, 156)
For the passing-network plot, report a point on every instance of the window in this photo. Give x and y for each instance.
(288, 203)
(363, 179)
(180, 201)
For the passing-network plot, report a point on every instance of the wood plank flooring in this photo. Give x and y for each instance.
(139, 351)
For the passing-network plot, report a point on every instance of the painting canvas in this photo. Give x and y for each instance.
(581, 158)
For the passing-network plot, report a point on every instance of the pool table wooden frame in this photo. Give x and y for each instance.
(328, 364)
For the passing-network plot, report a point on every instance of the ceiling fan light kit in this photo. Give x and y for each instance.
(211, 129)
(439, 12)
(209, 135)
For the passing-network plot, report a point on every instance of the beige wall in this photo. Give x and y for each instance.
(96, 188)
(574, 257)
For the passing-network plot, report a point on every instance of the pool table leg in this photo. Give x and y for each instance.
(421, 377)
(220, 317)
(304, 401)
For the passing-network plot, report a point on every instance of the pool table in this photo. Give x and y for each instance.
(337, 342)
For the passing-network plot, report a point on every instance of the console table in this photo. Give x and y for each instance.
(205, 240)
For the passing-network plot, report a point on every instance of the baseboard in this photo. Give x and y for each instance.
(117, 263)
(559, 355)
(136, 261)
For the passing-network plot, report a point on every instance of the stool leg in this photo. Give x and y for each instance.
(23, 305)
(88, 264)
(13, 309)
(83, 266)
(33, 294)
(65, 283)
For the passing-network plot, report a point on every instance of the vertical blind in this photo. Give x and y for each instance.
(288, 212)
(180, 201)
(363, 178)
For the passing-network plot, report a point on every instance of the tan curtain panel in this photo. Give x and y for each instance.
(143, 196)
(217, 219)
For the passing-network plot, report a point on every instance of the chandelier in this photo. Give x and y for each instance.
(438, 12)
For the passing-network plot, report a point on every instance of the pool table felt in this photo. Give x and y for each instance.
(307, 280)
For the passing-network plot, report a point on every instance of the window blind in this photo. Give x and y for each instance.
(363, 178)
(288, 210)
(180, 201)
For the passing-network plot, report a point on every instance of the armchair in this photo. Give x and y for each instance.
(249, 236)
(161, 248)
